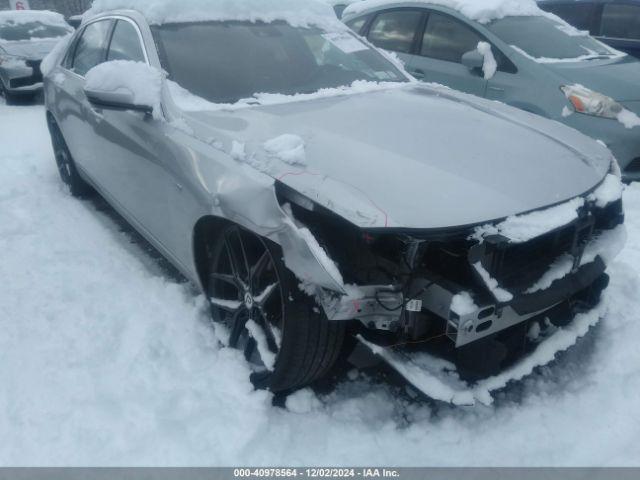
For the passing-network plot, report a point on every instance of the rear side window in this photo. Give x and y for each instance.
(621, 21)
(580, 15)
(90, 49)
(125, 43)
(357, 24)
(448, 39)
(395, 30)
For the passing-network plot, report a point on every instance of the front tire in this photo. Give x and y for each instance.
(66, 165)
(285, 337)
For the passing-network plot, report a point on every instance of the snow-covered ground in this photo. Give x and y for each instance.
(105, 359)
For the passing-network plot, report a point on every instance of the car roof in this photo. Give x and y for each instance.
(476, 10)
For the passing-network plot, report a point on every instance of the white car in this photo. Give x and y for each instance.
(26, 37)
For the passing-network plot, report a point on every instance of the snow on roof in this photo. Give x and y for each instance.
(29, 16)
(299, 13)
(483, 11)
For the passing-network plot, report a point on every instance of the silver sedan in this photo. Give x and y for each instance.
(317, 194)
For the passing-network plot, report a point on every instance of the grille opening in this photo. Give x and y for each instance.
(634, 166)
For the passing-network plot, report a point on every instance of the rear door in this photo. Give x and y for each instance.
(440, 49)
(620, 26)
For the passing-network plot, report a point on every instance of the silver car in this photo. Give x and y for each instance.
(316, 193)
(26, 37)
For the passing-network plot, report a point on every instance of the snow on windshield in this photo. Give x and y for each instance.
(299, 13)
(547, 40)
(277, 59)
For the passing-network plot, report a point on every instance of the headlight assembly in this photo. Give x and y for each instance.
(592, 103)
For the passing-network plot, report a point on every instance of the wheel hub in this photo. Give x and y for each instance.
(248, 300)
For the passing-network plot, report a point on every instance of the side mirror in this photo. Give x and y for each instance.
(473, 60)
(125, 85)
(115, 100)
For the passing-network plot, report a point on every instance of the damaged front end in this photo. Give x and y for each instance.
(477, 297)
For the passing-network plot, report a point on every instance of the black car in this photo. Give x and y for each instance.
(615, 22)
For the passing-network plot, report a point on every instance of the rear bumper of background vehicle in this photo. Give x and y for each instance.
(23, 77)
(623, 142)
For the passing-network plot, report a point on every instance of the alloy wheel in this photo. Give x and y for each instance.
(245, 293)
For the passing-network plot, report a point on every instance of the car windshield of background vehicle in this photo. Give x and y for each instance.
(543, 38)
(11, 32)
(224, 62)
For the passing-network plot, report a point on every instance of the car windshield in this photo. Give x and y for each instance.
(542, 37)
(14, 32)
(224, 62)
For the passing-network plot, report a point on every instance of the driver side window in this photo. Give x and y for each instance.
(90, 49)
(447, 39)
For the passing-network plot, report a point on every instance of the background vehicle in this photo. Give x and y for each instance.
(26, 37)
(340, 5)
(615, 22)
(299, 233)
(538, 62)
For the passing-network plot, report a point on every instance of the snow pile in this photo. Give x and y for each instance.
(439, 380)
(20, 17)
(298, 13)
(609, 191)
(522, 228)
(53, 59)
(463, 304)
(237, 151)
(572, 31)
(483, 11)
(267, 356)
(628, 119)
(189, 102)
(490, 66)
(303, 401)
(288, 148)
(559, 269)
(141, 81)
(500, 294)
(587, 56)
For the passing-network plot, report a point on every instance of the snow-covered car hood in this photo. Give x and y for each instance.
(617, 79)
(31, 49)
(414, 157)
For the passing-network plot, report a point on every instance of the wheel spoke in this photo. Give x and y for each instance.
(237, 264)
(273, 333)
(238, 323)
(262, 298)
(225, 278)
(258, 269)
(231, 306)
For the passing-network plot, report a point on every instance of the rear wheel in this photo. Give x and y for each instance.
(285, 337)
(66, 165)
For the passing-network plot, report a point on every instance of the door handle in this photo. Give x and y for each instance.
(418, 73)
